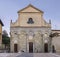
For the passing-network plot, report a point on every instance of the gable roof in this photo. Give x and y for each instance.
(1, 23)
(32, 7)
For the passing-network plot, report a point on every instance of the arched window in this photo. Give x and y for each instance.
(30, 21)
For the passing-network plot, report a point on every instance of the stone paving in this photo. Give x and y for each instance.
(38, 55)
(28, 55)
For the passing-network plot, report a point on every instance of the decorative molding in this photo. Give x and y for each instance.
(31, 26)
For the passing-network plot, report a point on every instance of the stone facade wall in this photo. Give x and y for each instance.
(35, 16)
(56, 43)
(21, 36)
(56, 40)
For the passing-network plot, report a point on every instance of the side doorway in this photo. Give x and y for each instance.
(15, 48)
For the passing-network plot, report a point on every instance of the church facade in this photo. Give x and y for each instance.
(30, 33)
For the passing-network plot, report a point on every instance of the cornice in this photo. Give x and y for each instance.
(30, 27)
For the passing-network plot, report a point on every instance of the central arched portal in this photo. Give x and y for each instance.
(30, 47)
(45, 47)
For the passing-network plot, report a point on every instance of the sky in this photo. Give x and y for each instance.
(9, 8)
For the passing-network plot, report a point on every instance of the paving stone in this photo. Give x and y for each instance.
(29, 55)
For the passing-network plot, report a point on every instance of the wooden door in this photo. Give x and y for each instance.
(46, 47)
(30, 47)
(15, 48)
